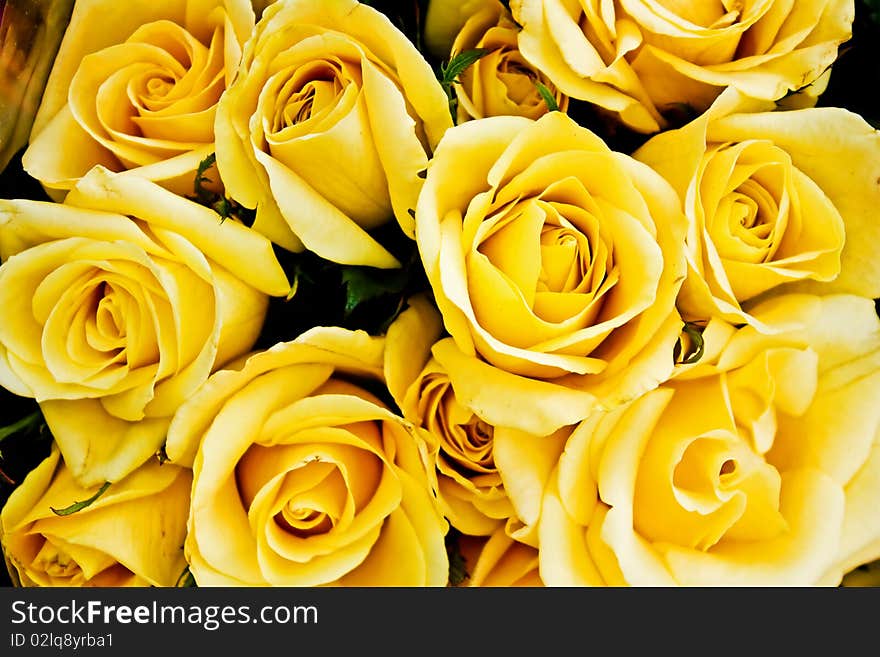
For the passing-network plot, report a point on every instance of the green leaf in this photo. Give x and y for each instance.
(366, 283)
(79, 506)
(457, 563)
(201, 178)
(30, 434)
(185, 579)
(874, 7)
(162, 456)
(450, 71)
(223, 206)
(293, 288)
(689, 349)
(547, 96)
(23, 423)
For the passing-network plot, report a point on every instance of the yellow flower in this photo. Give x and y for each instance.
(330, 121)
(642, 58)
(759, 466)
(131, 535)
(461, 455)
(555, 264)
(302, 477)
(501, 82)
(135, 87)
(487, 478)
(117, 305)
(772, 198)
(498, 561)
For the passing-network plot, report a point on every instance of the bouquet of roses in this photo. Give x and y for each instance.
(459, 292)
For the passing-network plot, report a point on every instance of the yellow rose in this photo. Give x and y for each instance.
(501, 82)
(461, 459)
(325, 130)
(641, 58)
(759, 466)
(471, 463)
(131, 535)
(555, 264)
(117, 305)
(498, 561)
(135, 87)
(772, 198)
(302, 477)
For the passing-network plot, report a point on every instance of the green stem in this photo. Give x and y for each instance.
(23, 423)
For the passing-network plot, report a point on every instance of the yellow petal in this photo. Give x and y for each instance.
(564, 557)
(408, 345)
(860, 541)
(843, 406)
(97, 446)
(152, 499)
(505, 399)
(407, 566)
(41, 159)
(525, 463)
(237, 248)
(813, 507)
(322, 228)
(142, 501)
(21, 501)
(397, 143)
(500, 561)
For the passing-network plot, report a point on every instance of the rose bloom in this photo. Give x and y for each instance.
(325, 130)
(461, 455)
(131, 535)
(302, 477)
(118, 304)
(772, 198)
(758, 466)
(501, 82)
(555, 264)
(498, 560)
(641, 58)
(135, 87)
(471, 463)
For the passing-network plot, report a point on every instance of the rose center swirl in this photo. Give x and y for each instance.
(556, 257)
(98, 319)
(297, 487)
(747, 218)
(152, 96)
(466, 441)
(720, 489)
(309, 97)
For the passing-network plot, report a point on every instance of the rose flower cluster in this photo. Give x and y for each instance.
(631, 264)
